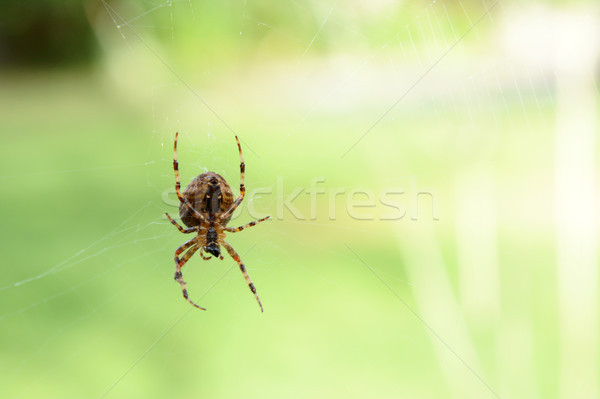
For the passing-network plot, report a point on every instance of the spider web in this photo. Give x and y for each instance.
(370, 96)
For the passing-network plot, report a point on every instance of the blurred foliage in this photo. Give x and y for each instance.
(58, 33)
(45, 33)
(283, 28)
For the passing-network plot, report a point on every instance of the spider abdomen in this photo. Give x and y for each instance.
(209, 194)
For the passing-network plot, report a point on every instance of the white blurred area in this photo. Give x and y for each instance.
(566, 43)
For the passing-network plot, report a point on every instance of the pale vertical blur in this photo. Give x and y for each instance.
(577, 55)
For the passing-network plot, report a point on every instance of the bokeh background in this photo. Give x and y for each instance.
(449, 248)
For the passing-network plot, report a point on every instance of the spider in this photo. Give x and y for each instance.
(206, 206)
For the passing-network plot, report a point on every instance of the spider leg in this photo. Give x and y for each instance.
(236, 229)
(239, 199)
(236, 257)
(191, 244)
(182, 199)
(183, 230)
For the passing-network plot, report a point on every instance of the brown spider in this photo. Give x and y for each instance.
(206, 206)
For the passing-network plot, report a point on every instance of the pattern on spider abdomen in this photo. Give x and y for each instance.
(209, 194)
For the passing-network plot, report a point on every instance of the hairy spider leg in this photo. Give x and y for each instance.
(239, 199)
(236, 257)
(182, 199)
(236, 229)
(184, 231)
(191, 244)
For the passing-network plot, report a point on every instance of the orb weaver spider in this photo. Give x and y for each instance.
(206, 206)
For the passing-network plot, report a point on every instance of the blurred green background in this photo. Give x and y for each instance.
(449, 248)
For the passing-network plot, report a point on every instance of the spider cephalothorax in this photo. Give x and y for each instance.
(212, 243)
(206, 206)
